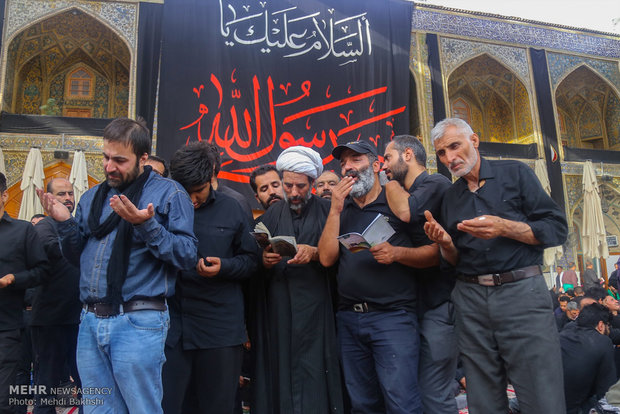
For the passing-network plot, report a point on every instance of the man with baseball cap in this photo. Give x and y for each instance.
(377, 322)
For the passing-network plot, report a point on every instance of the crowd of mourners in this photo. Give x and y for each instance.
(375, 288)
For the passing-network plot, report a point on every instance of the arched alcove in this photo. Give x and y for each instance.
(495, 99)
(589, 111)
(42, 55)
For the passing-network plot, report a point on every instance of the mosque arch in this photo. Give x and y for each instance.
(589, 110)
(495, 97)
(40, 57)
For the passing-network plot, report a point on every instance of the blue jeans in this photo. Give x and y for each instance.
(380, 352)
(121, 358)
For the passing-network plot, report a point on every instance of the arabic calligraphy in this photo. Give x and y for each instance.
(295, 32)
(269, 119)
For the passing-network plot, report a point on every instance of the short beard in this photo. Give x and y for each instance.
(399, 174)
(124, 181)
(298, 207)
(364, 183)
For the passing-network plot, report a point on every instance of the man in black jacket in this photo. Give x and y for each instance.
(207, 328)
(56, 306)
(588, 359)
(23, 264)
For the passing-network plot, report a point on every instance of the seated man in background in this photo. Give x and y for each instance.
(588, 359)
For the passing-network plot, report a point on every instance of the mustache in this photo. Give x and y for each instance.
(455, 164)
(273, 197)
(352, 173)
(326, 191)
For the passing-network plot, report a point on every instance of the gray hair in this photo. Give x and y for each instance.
(572, 305)
(440, 129)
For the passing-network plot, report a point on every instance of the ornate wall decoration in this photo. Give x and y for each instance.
(122, 17)
(62, 42)
(456, 51)
(561, 65)
(434, 20)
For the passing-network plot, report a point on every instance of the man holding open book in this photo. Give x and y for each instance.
(297, 366)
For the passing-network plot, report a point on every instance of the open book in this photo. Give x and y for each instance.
(283, 245)
(377, 232)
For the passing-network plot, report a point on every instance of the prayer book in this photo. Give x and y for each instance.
(378, 231)
(283, 245)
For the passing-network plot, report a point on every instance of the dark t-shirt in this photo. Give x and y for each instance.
(360, 277)
(426, 193)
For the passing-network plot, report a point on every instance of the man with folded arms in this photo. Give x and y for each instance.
(496, 220)
(130, 235)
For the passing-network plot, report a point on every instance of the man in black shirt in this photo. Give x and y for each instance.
(56, 306)
(588, 359)
(23, 264)
(207, 327)
(410, 192)
(377, 321)
(497, 221)
(266, 182)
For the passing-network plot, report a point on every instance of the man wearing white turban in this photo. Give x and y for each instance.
(297, 368)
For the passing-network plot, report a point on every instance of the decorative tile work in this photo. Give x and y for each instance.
(612, 120)
(560, 65)
(456, 51)
(426, 19)
(16, 147)
(121, 16)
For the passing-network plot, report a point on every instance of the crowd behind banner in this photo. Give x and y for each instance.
(375, 287)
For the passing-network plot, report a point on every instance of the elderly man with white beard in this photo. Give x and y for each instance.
(377, 321)
(297, 368)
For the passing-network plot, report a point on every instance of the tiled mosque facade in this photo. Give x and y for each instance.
(487, 77)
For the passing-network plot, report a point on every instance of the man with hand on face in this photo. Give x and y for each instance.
(297, 354)
(130, 235)
(496, 221)
(56, 306)
(377, 322)
(207, 330)
(325, 183)
(266, 182)
(409, 193)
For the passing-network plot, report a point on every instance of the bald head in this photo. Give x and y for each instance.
(62, 190)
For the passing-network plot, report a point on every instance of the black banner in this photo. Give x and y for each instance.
(256, 77)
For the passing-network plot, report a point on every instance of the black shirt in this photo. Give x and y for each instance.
(22, 254)
(426, 193)
(360, 277)
(208, 312)
(56, 302)
(511, 191)
(588, 363)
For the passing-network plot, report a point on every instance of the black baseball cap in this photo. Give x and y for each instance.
(361, 147)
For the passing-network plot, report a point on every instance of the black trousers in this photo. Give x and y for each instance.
(212, 373)
(10, 358)
(54, 348)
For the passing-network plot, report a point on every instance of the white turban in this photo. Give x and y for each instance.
(301, 160)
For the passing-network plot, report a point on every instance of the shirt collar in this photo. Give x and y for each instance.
(419, 179)
(486, 171)
(6, 217)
